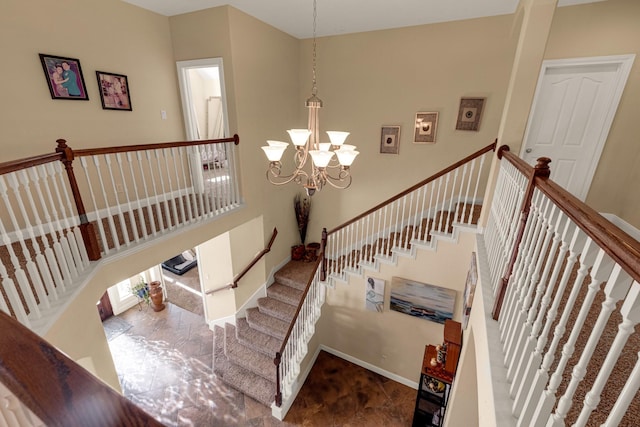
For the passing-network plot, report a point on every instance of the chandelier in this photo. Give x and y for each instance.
(316, 163)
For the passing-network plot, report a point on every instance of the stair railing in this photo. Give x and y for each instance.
(58, 216)
(574, 278)
(414, 216)
(254, 261)
(294, 346)
(41, 386)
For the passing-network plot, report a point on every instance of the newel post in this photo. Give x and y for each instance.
(323, 245)
(540, 170)
(86, 228)
(276, 361)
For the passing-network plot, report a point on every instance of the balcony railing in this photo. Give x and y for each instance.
(566, 284)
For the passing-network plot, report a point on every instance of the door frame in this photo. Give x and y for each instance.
(187, 96)
(624, 64)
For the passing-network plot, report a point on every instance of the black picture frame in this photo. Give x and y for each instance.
(114, 91)
(64, 77)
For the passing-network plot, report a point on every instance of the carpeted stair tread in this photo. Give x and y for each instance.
(259, 341)
(267, 324)
(237, 377)
(285, 293)
(295, 274)
(278, 309)
(246, 357)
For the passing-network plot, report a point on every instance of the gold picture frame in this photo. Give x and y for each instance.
(426, 127)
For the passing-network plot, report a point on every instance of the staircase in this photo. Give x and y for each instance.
(244, 353)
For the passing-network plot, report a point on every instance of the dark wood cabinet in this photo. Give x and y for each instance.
(436, 378)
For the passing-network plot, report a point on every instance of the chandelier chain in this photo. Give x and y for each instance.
(314, 89)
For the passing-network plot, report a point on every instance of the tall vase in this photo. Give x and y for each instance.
(155, 293)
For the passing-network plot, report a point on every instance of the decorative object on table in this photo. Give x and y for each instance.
(469, 291)
(141, 291)
(302, 208)
(374, 294)
(390, 139)
(298, 252)
(64, 77)
(422, 300)
(329, 162)
(470, 113)
(426, 127)
(114, 91)
(156, 295)
(441, 352)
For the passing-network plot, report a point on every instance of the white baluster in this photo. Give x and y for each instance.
(452, 196)
(125, 188)
(180, 201)
(475, 190)
(138, 198)
(462, 199)
(189, 195)
(627, 394)
(163, 195)
(155, 200)
(112, 227)
(118, 207)
(76, 243)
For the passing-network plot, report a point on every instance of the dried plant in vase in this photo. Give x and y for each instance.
(302, 207)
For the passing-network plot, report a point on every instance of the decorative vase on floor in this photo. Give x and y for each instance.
(155, 293)
(297, 252)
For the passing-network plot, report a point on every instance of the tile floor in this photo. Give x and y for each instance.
(164, 362)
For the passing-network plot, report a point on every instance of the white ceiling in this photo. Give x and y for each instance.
(295, 17)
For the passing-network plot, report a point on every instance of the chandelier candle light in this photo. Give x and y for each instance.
(330, 161)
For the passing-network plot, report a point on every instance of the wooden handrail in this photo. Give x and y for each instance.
(253, 262)
(620, 246)
(433, 177)
(279, 353)
(16, 165)
(142, 147)
(55, 388)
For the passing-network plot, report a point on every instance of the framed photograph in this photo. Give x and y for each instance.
(374, 294)
(390, 139)
(470, 113)
(114, 91)
(426, 127)
(421, 300)
(64, 77)
(469, 290)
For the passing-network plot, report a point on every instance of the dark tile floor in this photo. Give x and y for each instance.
(164, 362)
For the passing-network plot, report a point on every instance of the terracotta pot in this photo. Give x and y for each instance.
(155, 293)
(297, 252)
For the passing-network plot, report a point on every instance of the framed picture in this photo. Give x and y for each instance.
(426, 127)
(390, 139)
(114, 91)
(470, 113)
(64, 77)
(421, 300)
(374, 294)
(469, 290)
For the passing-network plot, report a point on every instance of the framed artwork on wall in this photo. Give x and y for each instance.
(422, 300)
(374, 294)
(114, 91)
(426, 127)
(470, 113)
(390, 140)
(469, 291)
(64, 77)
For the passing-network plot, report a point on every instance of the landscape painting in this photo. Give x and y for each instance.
(422, 300)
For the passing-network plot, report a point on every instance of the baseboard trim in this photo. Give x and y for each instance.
(369, 366)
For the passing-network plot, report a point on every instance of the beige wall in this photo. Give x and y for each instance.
(372, 79)
(107, 35)
(601, 29)
(391, 340)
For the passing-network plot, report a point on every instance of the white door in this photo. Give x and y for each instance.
(573, 108)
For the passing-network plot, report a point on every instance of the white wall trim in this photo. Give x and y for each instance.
(261, 292)
(395, 377)
(221, 321)
(623, 225)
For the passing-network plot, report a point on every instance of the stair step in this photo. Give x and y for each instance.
(247, 357)
(267, 324)
(295, 274)
(284, 293)
(278, 309)
(237, 377)
(259, 341)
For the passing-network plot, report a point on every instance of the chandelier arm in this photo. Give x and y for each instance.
(274, 176)
(342, 181)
